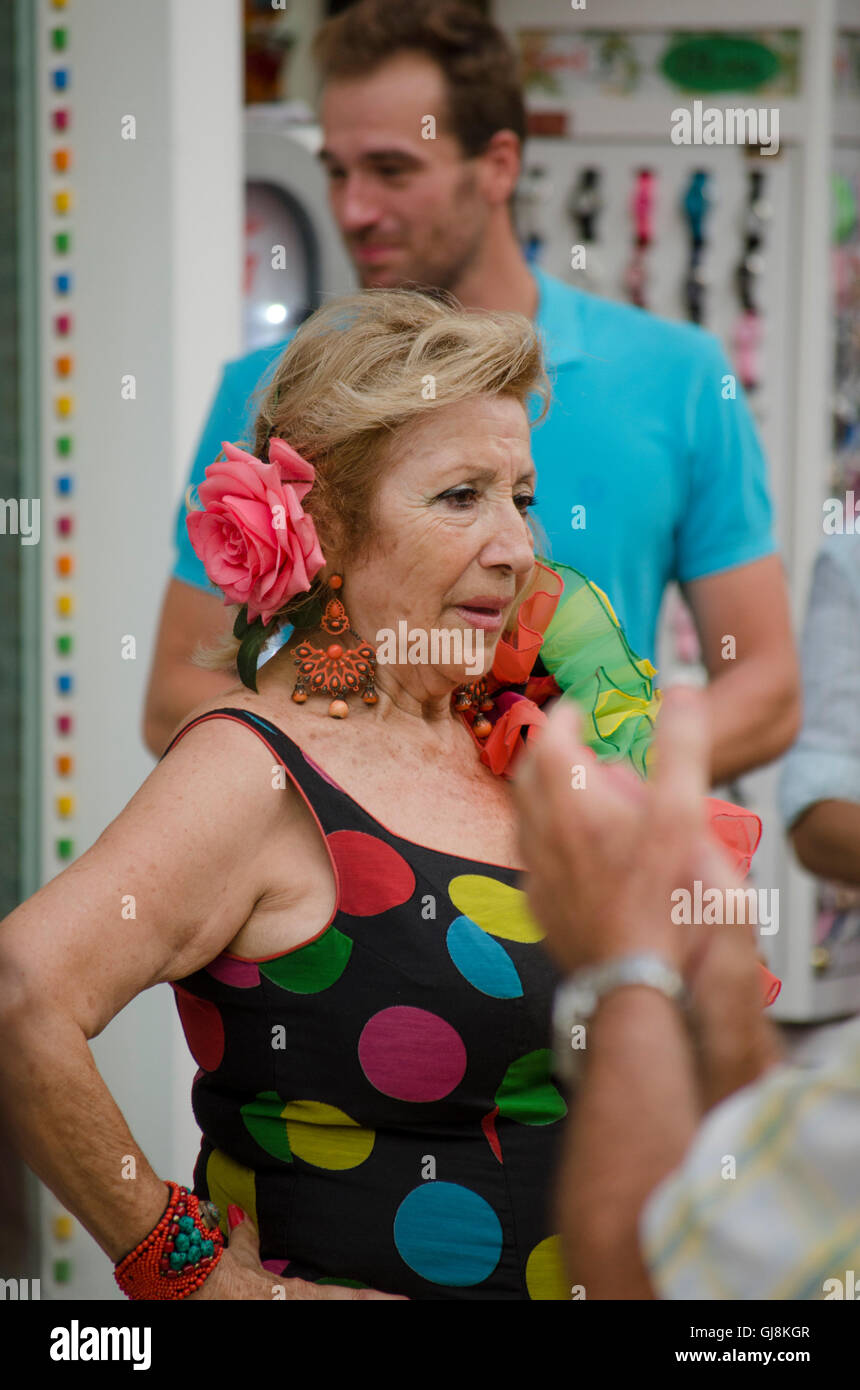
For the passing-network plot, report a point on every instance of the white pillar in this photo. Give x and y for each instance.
(156, 259)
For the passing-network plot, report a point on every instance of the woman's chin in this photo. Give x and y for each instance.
(466, 675)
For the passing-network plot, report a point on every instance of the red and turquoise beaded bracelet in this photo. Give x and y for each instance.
(179, 1253)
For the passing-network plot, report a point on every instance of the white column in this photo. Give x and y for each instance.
(156, 259)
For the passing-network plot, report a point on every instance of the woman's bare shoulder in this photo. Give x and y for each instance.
(239, 697)
(228, 764)
(308, 724)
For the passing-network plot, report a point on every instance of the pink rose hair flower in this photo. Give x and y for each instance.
(255, 541)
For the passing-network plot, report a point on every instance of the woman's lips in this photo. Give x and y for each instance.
(490, 619)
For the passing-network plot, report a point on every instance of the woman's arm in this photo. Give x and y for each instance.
(188, 855)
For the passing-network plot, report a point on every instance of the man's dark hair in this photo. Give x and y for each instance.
(479, 67)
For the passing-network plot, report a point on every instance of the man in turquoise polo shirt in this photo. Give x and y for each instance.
(649, 469)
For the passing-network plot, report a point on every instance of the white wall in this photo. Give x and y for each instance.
(303, 19)
(156, 259)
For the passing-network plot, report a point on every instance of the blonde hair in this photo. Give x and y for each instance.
(359, 371)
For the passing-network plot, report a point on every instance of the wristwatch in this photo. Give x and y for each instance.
(577, 997)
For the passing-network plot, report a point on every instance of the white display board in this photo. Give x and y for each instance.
(666, 261)
(611, 108)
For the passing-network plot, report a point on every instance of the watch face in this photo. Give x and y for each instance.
(584, 1001)
(568, 1059)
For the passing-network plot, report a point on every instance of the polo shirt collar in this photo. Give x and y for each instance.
(559, 319)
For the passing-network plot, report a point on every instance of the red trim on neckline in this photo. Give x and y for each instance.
(325, 776)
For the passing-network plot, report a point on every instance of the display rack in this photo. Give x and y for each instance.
(603, 105)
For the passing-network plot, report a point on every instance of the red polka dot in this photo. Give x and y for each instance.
(203, 1028)
(411, 1054)
(373, 876)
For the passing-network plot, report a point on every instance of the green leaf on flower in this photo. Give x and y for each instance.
(255, 638)
(305, 613)
(240, 627)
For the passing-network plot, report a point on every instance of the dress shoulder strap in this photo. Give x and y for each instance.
(332, 806)
(288, 751)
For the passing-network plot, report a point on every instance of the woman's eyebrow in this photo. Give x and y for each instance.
(479, 471)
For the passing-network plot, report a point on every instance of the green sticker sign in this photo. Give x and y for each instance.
(719, 63)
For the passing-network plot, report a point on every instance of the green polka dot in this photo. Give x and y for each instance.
(311, 968)
(527, 1094)
(264, 1121)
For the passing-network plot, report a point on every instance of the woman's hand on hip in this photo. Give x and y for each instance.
(239, 1274)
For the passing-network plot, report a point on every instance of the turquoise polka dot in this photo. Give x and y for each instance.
(482, 961)
(448, 1234)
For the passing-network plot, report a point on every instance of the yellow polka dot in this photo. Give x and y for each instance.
(545, 1275)
(231, 1182)
(325, 1136)
(495, 907)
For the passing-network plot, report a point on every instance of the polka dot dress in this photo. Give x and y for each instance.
(380, 1100)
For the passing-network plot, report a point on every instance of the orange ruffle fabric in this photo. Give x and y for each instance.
(516, 656)
(518, 719)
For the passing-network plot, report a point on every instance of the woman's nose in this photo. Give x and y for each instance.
(511, 542)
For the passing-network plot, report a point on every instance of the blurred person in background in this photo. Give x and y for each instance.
(671, 476)
(696, 1163)
(820, 780)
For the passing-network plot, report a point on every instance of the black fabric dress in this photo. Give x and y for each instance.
(380, 1100)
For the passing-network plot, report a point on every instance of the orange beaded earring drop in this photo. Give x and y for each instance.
(473, 700)
(333, 670)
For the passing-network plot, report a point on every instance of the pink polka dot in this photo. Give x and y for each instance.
(373, 876)
(241, 974)
(411, 1054)
(323, 774)
(203, 1028)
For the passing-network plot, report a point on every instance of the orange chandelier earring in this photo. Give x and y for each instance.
(334, 670)
(474, 700)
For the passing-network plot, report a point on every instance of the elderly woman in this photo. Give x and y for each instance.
(324, 866)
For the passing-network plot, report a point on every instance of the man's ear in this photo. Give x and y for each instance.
(501, 165)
